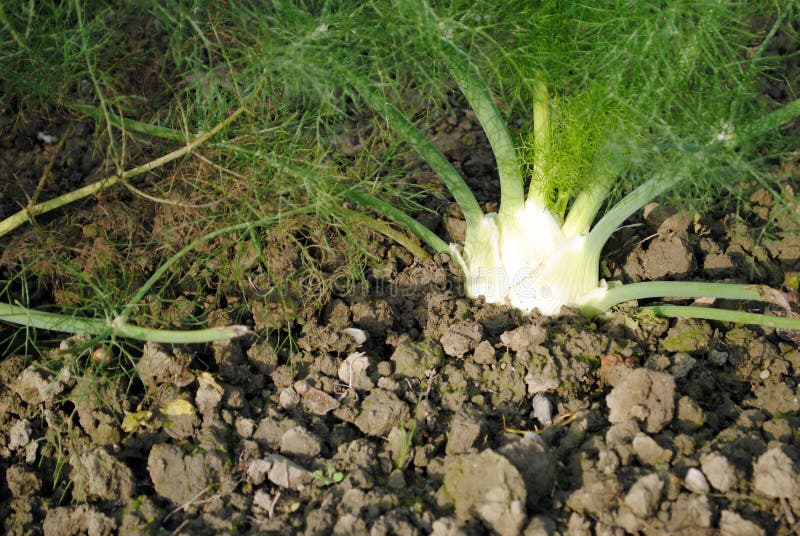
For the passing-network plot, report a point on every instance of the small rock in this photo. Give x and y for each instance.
(484, 354)
(380, 411)
(696, 481)
(775, 474)
(447, 526)
(717, 357)
(287, 474)
(20, 434)
(682, 364)
(207, 399)
(22, 481)
(524, 337)
(719, 471)
(314, 400)
(415, 360)
(540, 526)
(461, 338)
(257, 470)
(690, 512)
(535, 463)
(263, 501)
(644, 495)
(36, 387)
(649, 452)
(488, 486)
(466, 431)
(299, 442)
(81, 519)
(643, 395)
(353, 371)
(732, 524)
(690, 416)
(245, 427)
(289, 399)
(98, 476)
(183, 478)
(543, 410)
(595, 499)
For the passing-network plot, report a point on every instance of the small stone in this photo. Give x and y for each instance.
(732, 524)
(262, 500)
(416, 359)
(461, 338)
(257, 470)
(718, 358)
(719, 471)
(289, 399)
(696, 481)
(353, 371)
(380, 411)
(649, 452)
(690, 416)
(22, 481)
(524, 337)
(484, 354)
(690, 512)
(98, 476)
(287, 474)
(447, 526)
(20, 434)
(314, 400)
(466, 431)
(643, 395)
(644, 495)
(299, 442)
(488, 486)
(36, 387)
(682, 364)
(245, 427)
(775, 474)
(543, 410)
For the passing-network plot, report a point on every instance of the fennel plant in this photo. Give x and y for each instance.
(541, 250)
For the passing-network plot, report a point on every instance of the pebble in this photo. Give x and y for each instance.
(719, 471)
(696, 481)
(775, 474)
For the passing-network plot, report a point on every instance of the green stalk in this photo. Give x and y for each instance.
(28, 213)
(17, 314)
(387, 230)
(542, 133)
(680, 289)
(131, 124)
(426, 149)
(512, 192)
(398, 216)
(588, 202)
(629, 205)
(773, 120)
(724, 315)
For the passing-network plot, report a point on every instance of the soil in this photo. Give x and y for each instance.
(404, 408)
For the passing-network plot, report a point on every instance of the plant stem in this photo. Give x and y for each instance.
(725, 315)
(388, 231)
(400, 217)
(28, 213)
(512, 192)
(426, 149)
(131, 124)
(680, 289)
(630, 204)
(17, 314)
